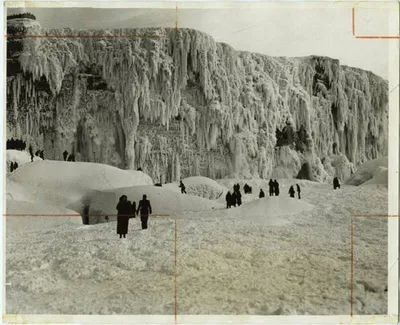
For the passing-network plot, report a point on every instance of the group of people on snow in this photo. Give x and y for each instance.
(38, 153)
(71, 157)
(13, 166)
(127, 210)
(234, 198)
(273, 187)
(292, 191)
(16, 144)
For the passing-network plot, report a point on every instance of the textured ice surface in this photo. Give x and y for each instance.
(176, 104)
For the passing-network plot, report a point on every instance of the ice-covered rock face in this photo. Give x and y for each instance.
(176, 103)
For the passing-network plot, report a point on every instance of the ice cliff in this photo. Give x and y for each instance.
(176, 103)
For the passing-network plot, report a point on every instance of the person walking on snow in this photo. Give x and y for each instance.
(124, 211)
(276, 188)
(183, 188)
(336, 183)
(31, 152)
(271, 185)
(262, 194)
(65, 155)
(145, 209)
(298, 190)
(228, 199)
(291, 191)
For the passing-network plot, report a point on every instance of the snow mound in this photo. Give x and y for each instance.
(60, 183)
(163, 201)
(203, 186)
(21, 157)
(269, 210)
(371, 172)
(25, 216)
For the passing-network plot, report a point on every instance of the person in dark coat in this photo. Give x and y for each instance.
(271, 185)
(145, 209)
(65, 155)
(37, 153)
(15, 165)
(183, 188)
(31, 152)
(276, 188)
(42, 154)
(233, 199)
(228, 199)
(336, 183)
(132, 209)
(298, 190)
(262, 194)
(291, 191)
(238, 198)
(124, 211)
(11, 167)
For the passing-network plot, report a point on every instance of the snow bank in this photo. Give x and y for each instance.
(203, 186)
(60, 183)
(25, 216)
(163, 201)
(371, 172)
(21, 157)
(268, 211)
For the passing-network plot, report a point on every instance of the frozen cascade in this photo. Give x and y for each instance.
(176, 104)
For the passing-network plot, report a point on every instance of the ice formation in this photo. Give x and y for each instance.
(177, 104)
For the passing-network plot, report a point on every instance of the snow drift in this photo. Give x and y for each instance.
(163, 201)
(371, 172)
(176, 104)
(203, 187)
(60, 183)
(268, 211)
(25, 216)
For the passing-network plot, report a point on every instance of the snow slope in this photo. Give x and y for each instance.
(61, 183)
(203, 187)
(21, 157)
(372, 172)
(163, 201)
(25, 216)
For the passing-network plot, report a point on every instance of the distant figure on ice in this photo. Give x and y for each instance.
(291, 191)
(145, 209)
(233, 199)
(65, 155)
(276, 188)
(139, 169)
(11, 167)
(41, 155)
(124, 211)
(271, 185)
(31, 152)
(183, 188)
(15, 165)
(132, 209)
(262, 194)
(37, 153)
(298, 190)
(336, 183)
(228, 199)
(238, 198)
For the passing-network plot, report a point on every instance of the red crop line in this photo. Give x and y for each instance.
(378, 37)
(75, 215)
(85, 36)
(353, 20)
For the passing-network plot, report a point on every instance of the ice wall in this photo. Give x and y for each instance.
(176, 103)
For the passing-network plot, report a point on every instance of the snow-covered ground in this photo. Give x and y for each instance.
(270, 256)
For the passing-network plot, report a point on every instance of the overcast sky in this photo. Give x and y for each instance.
(273, 31)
